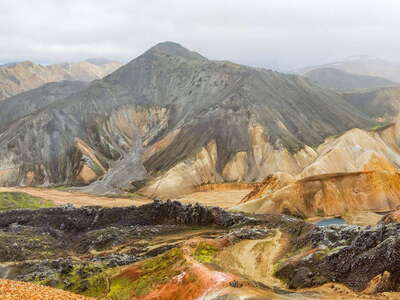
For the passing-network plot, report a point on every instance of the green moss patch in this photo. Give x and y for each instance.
(205, 253)
(153, 272)
(16, 200)
(26, 244)
(88, 279)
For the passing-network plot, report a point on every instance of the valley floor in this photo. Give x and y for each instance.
(223, 199)
(77, 199)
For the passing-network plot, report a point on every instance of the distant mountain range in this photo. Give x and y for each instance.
(23, 76)
(363, 66)
(328, 77)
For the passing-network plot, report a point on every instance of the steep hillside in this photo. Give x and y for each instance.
(337, 79)
(20, 77)
(26, 103)
(175, 119)
(383, 103)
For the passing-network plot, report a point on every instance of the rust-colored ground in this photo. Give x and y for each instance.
(15, 290)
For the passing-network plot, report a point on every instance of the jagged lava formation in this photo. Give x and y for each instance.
(176, 251)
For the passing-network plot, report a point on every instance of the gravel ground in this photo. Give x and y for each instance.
(16, 290)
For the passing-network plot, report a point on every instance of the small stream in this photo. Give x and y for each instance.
(4, 271)
(331, 221)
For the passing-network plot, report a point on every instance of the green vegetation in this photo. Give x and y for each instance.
(291, 253)
(120, 289)
(96, 168)
(88, 279)
(31, 245)
(158, 270)
(16, 200)
(149, 273)
(381, 126)
(205, 253)
(61, 188)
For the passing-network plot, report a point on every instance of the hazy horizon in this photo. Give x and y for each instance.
(282, 35)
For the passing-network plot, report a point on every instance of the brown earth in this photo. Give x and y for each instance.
(224, 199)
(392, 217)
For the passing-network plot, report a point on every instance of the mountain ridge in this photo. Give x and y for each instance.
(23, 76)
(170, 113)
(329, 77)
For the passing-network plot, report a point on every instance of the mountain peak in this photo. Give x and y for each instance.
(175, 49)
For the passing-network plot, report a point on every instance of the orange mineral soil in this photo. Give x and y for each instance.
(15, 290)
(333, 194)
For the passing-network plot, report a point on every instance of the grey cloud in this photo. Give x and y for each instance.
(277, 33)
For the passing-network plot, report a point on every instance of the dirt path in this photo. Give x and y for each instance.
(255, 259)
(213, 280)
(75, 198)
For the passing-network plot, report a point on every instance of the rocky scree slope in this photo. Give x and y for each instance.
(174, 118)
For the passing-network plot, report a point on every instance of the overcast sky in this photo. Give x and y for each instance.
(269, 33)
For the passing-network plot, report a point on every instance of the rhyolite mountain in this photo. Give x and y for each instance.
(170, 120)
(23, 76)
(341, 80)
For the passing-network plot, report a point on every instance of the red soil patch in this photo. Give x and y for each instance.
(131, 273)
(182, 287)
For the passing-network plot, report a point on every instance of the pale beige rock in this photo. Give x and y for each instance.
(186, 175)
